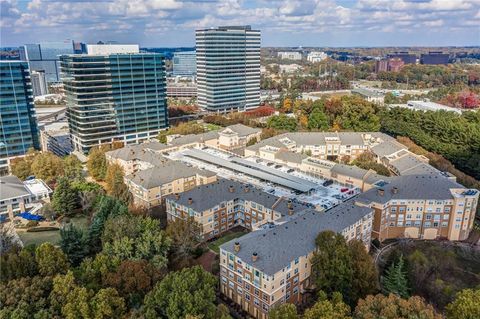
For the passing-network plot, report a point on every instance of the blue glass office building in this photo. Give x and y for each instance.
(184, 63)
(45, 57)
(114, 97)
(18, 124)
(228, 68)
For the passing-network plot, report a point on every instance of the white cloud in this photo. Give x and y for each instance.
(140, 19)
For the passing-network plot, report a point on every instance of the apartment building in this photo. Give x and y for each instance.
(225, 204)
(324, 145)
(421, 206)
(230, 138)
(150, 186)
(114, 93)
(272, 266)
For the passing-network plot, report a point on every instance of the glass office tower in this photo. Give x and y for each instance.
(114, 97)
(45, 57)
(228, 68)
(184, 63)
(18, 124)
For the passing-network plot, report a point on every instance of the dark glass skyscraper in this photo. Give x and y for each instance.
(44, 57)
(228, 68)
(18, 124)
(114, 96)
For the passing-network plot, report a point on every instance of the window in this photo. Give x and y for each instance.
(428, 224)
(247, 297)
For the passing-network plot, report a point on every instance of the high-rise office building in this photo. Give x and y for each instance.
(45, 56)
(228, 68)
(39, 83)
(406, 57)
(114, 93)
(18, 125)
(184, 63)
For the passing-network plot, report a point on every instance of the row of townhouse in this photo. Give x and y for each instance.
(226, 204)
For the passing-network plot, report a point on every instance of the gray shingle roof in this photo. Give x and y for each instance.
(208, 196)
(243, 130)
(278, 246)
(194, 138)
(290, 156)
(412, 165)
(144, 151)
(387, 148)
(349, 170)
(11, 187)
(165, 173)
(412, 187)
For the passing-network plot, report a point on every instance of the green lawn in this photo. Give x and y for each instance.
(212, 127)
(51, 236)
(215, 245)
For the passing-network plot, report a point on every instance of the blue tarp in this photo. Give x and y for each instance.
(29, 216)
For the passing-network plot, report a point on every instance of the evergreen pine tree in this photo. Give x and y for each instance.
(395, 280)
(74, 244)
(64, 198)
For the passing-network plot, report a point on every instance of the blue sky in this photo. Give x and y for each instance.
(170, 23)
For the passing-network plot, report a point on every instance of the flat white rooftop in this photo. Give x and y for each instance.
(106, 49)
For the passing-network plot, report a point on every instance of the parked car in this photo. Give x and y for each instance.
(327, 183)
(343, 190)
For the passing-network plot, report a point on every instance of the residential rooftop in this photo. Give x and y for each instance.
(411, 187)
(165, 173)
(207, 196)
(278, 246)
(11, 187)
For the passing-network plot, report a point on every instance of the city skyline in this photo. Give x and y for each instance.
(335, 23)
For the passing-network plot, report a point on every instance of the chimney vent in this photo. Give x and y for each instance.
(394, 190)
(381, 192)
(177, 196)
(247, 189)
(190, 200)
(290, 211)
(236, 246)
(289, 203)
(254, 257)
(231, 188)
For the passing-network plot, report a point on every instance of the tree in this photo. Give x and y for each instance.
(328, 309)
(8, 240)
(105, 207)
(317, 120)
(97, 163)
(47, 166)
(185, 239)
(283, 311)
(133, 279)
(25, 297)
(395, 280)
(394, 307)
(64, 198)
(344, 268)
(360, 118)
(282, 122)
(92, 272)
(465, 306)
(48, 212)
(222, 312)
(332, 264)
(74, 244)
(73, 168)
(107, 304)
(134, 238)
(22, 167)
(190, 291)
(365, 275)
(18, 263)
(50, 260)
(115, 184)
